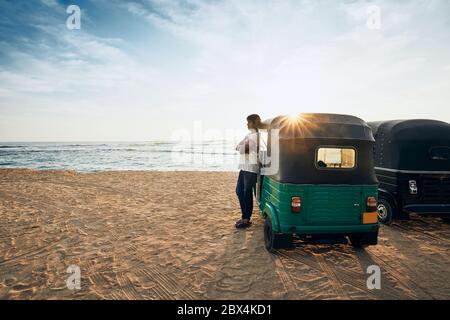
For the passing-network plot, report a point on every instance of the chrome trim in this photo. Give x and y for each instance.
(412, 187)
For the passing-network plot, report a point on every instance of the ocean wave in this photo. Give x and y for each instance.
(10, 147)
(152, 151)
(154, 155)
(86, 145)
(25, 151)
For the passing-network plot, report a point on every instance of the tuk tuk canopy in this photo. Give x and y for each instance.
(304, 140)
(320, 125)
(416, 145)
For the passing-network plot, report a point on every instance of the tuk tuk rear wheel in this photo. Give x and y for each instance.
(273, 240)
(385, 212)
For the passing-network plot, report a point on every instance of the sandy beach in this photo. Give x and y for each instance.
(171, 235)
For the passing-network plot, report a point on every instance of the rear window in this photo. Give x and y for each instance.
(440, 153)
(335, 158)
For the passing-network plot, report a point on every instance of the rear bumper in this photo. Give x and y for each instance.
(435, 209)
(338, 230)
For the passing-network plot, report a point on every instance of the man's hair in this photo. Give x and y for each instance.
(255, 119)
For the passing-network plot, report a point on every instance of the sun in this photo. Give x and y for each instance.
(298, 125)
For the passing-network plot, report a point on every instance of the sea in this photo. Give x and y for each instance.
(218, 155)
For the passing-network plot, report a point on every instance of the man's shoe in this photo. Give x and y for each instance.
(243, 224)
(240, 220)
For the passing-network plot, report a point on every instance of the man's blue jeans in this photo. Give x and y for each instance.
(244, 190)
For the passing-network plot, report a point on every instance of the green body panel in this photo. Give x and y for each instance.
(325, 209)
(272, 213)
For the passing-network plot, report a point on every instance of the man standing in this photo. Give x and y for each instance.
(249, 168)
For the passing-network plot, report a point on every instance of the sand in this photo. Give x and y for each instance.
(171, 235)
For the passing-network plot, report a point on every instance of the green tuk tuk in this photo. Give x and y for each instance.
(317, 179)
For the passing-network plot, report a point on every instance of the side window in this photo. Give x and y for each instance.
(335, 158)
(440, 153)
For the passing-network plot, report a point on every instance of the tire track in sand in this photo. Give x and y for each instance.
(284, 276)
(332, 277)
(166, 287)
(347, 275)
(127, 287)
(405, 284)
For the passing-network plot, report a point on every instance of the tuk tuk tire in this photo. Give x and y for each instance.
(385, 211)
(360, 240)
(274, 240)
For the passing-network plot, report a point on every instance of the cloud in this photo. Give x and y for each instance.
(62, 61)
(191, 59)
(50, 3)
(136, 8)
(269, 51)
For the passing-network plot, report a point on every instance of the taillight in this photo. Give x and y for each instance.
(371, 204)
(296, 204)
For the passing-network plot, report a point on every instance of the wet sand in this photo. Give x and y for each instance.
(171, 235)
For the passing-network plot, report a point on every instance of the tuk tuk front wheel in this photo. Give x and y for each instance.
(273, 240)
(385, 212)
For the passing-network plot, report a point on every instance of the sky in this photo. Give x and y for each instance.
(144, 70)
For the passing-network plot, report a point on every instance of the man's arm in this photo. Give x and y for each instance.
(243, 147)
(250, 142)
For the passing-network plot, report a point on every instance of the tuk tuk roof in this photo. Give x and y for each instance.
(414, 129)
(320, 125)
(406, 144)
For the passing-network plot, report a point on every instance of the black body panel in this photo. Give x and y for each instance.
(298, 163)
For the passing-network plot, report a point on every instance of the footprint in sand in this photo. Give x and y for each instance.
(234, 280)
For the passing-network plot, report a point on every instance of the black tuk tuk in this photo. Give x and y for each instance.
(412, 163)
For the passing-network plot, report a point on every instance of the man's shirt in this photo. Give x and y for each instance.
(249, 161)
